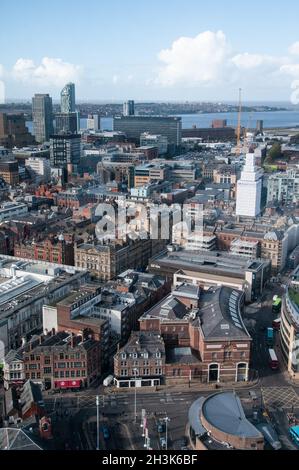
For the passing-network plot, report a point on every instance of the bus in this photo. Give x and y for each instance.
(294, 434)
(276, 324)
(273, 361)
(276, 305)
(270, 337)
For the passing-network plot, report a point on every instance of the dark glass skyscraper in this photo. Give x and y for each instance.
(42, 111)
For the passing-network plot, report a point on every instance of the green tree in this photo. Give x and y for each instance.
(275, 152)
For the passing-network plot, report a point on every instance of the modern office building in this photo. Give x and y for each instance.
(213, 269)
(93, 122)
(283, 188)
(134, 126)
(249, 189)
(13, 131)
(42, 111)
(129, 108)
(68, 100)
(65, 150)
(9, 172)
(159, 141)
(66, 123)
(39, 169)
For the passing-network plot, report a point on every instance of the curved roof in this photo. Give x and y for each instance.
(224, 411)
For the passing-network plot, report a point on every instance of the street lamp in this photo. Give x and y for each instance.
(98, 424)
(135, 370)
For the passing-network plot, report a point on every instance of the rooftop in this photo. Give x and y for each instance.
(224, 411)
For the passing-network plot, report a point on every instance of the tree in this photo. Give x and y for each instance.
(275, 152)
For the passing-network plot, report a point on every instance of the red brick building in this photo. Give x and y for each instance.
(63, 361)
(204, 334)
(53, 250)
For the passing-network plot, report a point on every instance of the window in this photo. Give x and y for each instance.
(77, 364)
(158, 371)
(61, 365)
(214, 356)
(243, 355)
(32, 366)
(124, 372)
(61, 356)
(146, 371)
(78, 373)
(158, 354)
(61, 374)
(227, 355)
(123, 356)
(56, 375)
(72, 373)
(47, 360)
(33, 375)
(67, 373)
(47, 370)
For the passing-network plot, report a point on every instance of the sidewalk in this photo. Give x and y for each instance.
(200, 387)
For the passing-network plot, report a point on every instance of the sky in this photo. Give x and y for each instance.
(184, 50)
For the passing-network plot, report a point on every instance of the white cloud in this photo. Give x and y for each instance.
(294, 48)
(195, 60)
(209, 59)
(115, 79)
(248, 61)
(50, 72)
(290, 69)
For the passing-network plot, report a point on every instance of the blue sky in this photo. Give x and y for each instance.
(150, 50)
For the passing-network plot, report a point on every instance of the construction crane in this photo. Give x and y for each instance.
(238, 152)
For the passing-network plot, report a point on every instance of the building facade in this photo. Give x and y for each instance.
(42, 111)
(249, 189)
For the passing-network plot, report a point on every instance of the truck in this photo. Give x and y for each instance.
(270, 337)
(108, 381)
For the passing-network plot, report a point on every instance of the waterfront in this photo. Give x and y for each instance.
(272, 120)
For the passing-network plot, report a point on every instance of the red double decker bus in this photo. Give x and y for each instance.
(273, 361)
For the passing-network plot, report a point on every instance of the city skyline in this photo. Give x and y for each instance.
(144, 53)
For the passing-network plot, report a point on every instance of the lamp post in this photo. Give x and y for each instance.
(98, 424)
(166, 419)
(135, 400)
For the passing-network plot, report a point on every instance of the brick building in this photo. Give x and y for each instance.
(141, 362)
(53, 250)
(204, 334)
(63, 361)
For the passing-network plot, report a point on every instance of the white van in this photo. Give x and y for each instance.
(108, 381)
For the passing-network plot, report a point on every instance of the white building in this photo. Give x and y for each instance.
(249, 189)
(93, 122)
(150, 140)
(39, 169)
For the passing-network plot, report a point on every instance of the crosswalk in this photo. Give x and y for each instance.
(280, 397)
